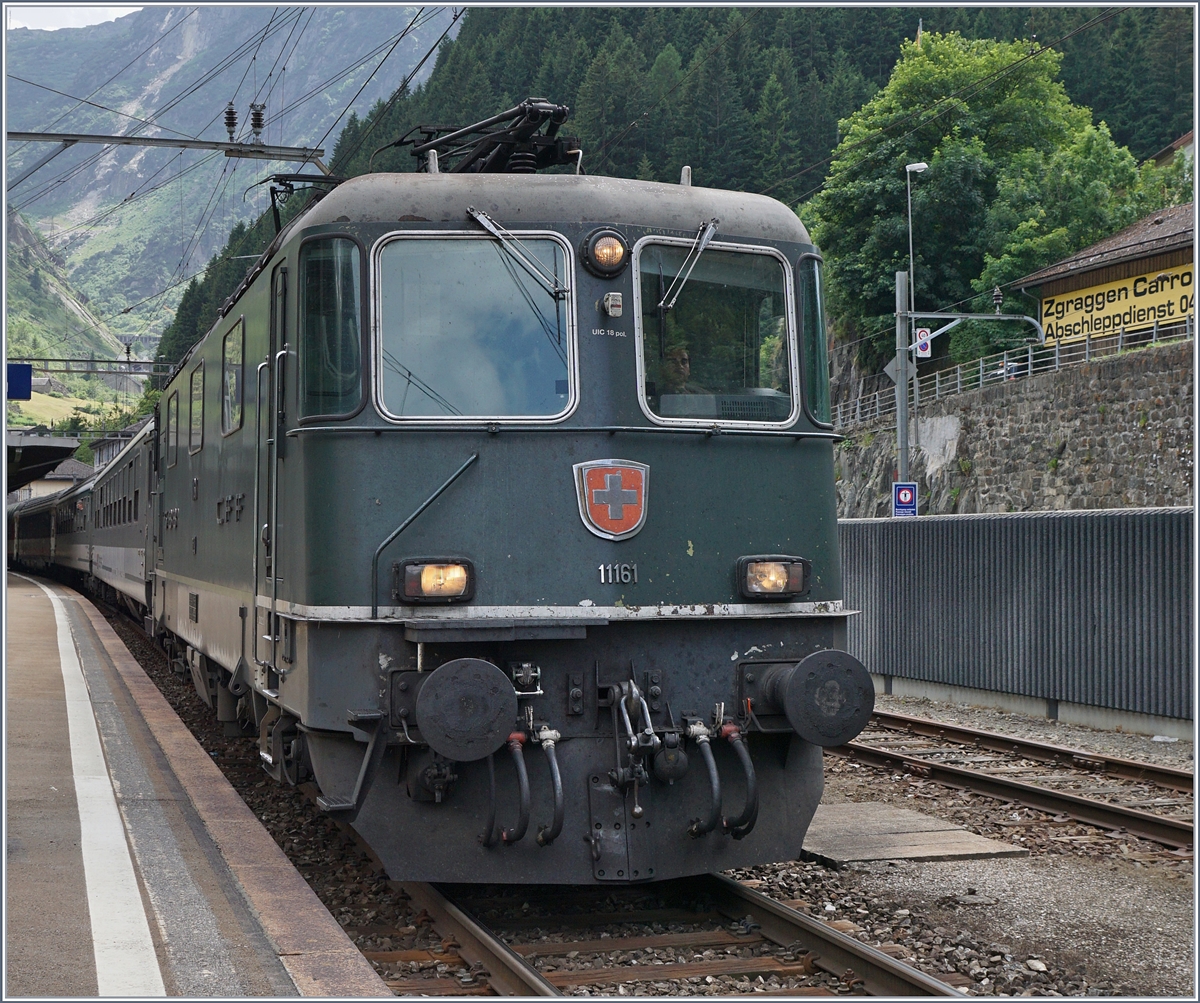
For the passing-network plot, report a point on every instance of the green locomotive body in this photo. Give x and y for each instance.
(505, 504)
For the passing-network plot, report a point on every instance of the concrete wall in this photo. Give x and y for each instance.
(1114, 433)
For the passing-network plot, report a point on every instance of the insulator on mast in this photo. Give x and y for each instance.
(256, 121)
(230, 120)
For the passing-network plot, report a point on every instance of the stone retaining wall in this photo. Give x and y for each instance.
(1113, 433)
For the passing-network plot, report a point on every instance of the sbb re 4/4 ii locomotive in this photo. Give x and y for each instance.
(504, 502)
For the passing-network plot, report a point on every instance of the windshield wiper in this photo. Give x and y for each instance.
(519, 253)
(707, 230)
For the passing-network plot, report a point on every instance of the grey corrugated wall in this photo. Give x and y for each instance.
(1090, 607)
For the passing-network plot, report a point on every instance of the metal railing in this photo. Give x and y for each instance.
(86, 367)
(1013, 364)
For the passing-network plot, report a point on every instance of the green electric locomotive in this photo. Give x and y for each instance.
(503, 502)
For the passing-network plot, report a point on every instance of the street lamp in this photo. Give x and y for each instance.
(909, 170)
(904, 334)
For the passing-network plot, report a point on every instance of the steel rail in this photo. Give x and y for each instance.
(836, 952)
(1158, 828)
(832, 951)
(1045, 752)
(509, 973)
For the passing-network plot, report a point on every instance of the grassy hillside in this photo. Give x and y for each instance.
(47, 316)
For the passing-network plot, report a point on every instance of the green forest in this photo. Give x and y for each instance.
(810, 106)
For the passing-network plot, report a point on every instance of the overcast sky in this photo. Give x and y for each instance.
(55, 16)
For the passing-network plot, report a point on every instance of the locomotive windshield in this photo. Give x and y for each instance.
(722, 351)
(467, 331)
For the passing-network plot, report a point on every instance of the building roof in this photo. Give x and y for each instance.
(1164, 155)
(1166, 230)
(70, 470)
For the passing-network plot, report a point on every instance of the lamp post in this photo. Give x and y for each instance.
(904, 333)
(909, 170)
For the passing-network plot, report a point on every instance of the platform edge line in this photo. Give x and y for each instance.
(191, 765)
(126, 962)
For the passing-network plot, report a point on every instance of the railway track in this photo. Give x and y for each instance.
(714, 928)
(1043, 764)
(1044, 752)
(693, 919)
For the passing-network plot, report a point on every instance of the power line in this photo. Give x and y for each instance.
(13, 76)
(225, 63)
(121, 70)
(372, 75)
(345, 71)
(219, 187)
(402, 89)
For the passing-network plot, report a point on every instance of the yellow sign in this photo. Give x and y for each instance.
(1166, 296)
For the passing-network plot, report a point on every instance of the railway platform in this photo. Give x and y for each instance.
(134, 868)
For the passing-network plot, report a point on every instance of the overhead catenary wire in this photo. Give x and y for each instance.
(118, 73)
(350, 103)
(201, 225)
(274, 81)
(225, 63)
(94, 104)
(345, 71)
(399, 91)
(145, 187)
(222, 65)
(175, 282)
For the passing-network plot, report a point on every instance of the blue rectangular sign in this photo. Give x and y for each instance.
(19, 381)
(904, 498)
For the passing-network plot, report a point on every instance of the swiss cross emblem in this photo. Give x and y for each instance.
(612, 497)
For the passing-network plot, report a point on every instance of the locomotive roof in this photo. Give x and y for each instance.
(545, 198)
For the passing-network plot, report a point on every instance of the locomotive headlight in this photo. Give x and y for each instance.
(609, 253)
(772, 576)
(605, 253)
(766, 576)
(435, 580)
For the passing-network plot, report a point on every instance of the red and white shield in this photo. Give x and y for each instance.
(612, 497)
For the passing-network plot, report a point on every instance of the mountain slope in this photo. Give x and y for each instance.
(47, 317)
(185, 64)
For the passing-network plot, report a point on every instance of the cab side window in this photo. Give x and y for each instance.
(232, 373)
(173, 429)
(810, 282)
(330, 328)
(196, 417)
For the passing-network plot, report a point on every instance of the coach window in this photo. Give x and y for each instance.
(467, 330)
(173, 429)
(232, 378)
(810, 278)
(196, 417)
(330, 328)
